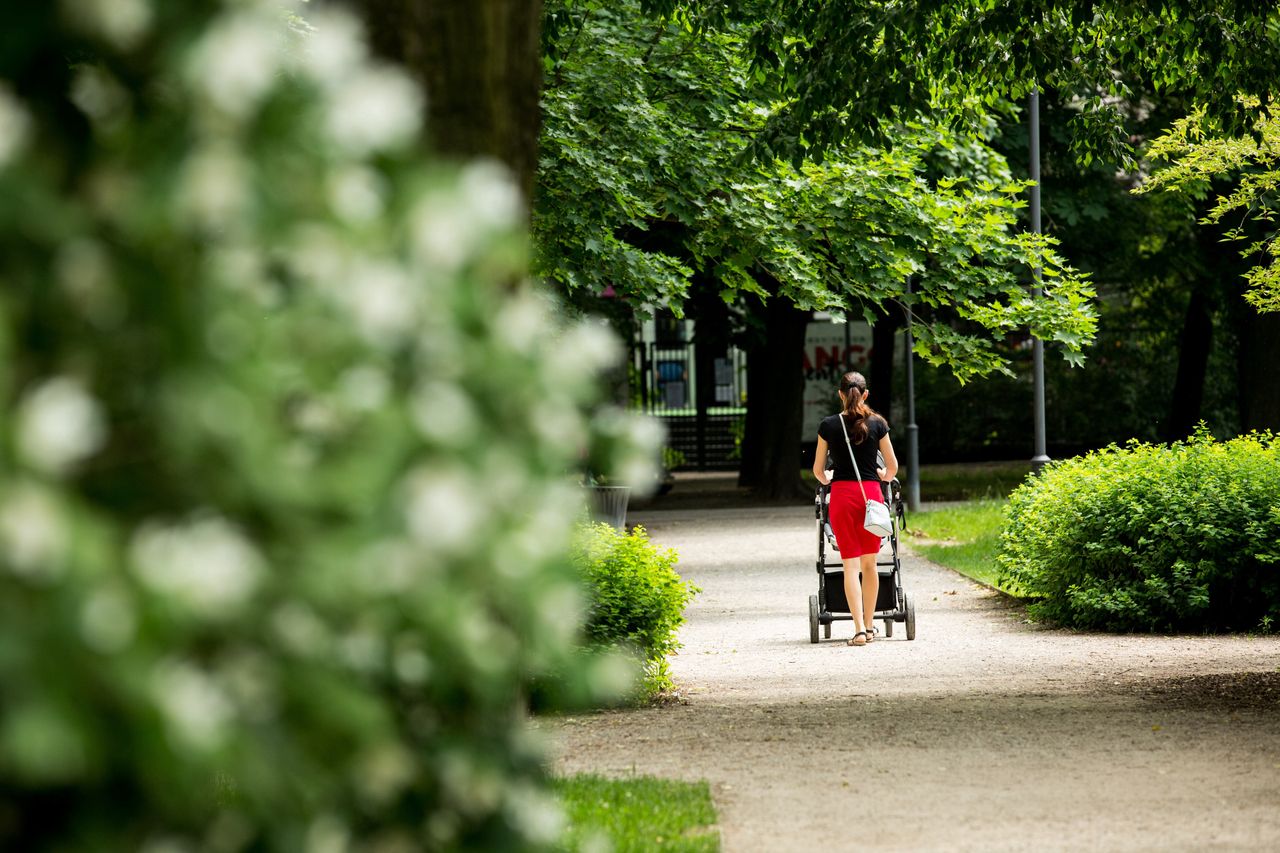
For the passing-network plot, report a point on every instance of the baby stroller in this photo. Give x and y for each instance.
(831, 604)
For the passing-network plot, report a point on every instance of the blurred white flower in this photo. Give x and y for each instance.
(237, 59)
(197, 710)
(239, 267)
(442, 235)
(59, 424)
(382, 772)
(15, 126)
(535, 811)
(300, 630)
(647, 433)
(444, 509)
(551, 514)
(449, 226)
(558, 425)
(491, 194)
(443, 413)
(316, 417)
(123, 23)
(522, 323)
(101, 97)
(582, 352)
(315, 255)
(206, 564)
(357, 194)
(32, 533)
(362, 650)
(638, 466)
(412, 665)
(214, 189)
(595, 343)
(373, 109)
(108, 621)
(559, 610)
(327, 834)
(382, 300)
(613, 674)
(334, 48)
(364, 388)
(596, 841)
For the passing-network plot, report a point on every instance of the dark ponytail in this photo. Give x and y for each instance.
(853, 385)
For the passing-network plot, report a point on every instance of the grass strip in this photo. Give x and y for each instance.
(965, 537)
(964, 481)
(637, 814)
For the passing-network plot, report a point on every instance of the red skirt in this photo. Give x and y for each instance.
(847, 510)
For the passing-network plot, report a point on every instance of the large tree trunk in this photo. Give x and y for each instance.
(711, 331)
(880, 380)
(775, 397)
(1194, 345)
(1259, 356)
(481, 64)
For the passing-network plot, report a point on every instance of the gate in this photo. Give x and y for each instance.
(699, 394)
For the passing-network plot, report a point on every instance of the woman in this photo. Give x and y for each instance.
(867, 432)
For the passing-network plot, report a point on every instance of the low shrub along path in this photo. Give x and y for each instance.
(985, 733)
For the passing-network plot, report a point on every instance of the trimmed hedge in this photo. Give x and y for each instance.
(1152, 538)
(636, 597)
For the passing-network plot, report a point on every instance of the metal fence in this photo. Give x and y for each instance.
(700, 395)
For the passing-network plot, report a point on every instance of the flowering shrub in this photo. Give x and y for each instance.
(1152, 538)
(637, 599)
(284, 517)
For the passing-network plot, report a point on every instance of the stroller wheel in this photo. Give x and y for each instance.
(826, 631)
(813, 619)
(911, 619)
(888, 627)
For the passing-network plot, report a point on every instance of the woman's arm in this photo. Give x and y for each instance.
(820, 462)
(890, 469)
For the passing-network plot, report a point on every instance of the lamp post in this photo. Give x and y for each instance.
(913, 438)
(1037, 347)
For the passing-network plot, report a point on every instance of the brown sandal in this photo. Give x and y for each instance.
(871, 635)
(854, 641)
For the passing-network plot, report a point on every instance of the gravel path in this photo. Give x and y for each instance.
(985, 733)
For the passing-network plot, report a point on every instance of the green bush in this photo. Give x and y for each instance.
(1152, 538)
(636, 597)
(284, 519)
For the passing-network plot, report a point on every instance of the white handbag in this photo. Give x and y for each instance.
(877, 519)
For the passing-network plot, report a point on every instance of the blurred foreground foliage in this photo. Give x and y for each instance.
(284, 497)
(1151, 537)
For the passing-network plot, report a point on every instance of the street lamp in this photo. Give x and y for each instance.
(913, 439)
(1037, 347)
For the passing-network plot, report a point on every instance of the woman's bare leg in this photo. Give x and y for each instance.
(870, 588)
(853, 593)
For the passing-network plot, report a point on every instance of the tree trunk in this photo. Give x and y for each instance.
(775, 398)
(710, 342)
(880, 382)
(480, 62)
(1259, 356)
(1194, 346)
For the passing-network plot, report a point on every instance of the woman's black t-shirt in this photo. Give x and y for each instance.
(829, 429)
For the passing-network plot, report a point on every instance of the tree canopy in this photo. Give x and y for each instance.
(851, 70)
(1197, 157)
(649, 176)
